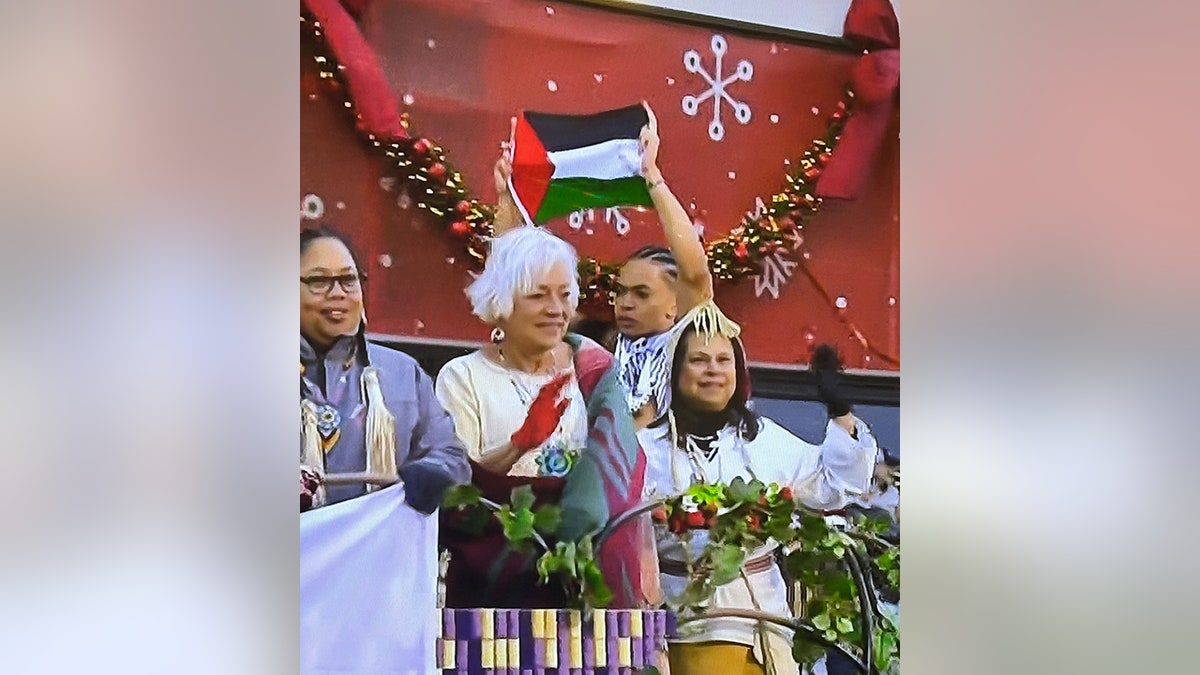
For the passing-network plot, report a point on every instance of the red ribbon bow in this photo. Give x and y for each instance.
(872, 25)
(378, 111)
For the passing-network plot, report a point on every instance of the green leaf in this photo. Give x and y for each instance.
(726, 563)
(707, 493)
(800, 561)
(821, 622)
(461, 495)
(547, 518)
(565, 551)
(522, 498)
(518, 526)
(650, 670)
(844, 625)
(741, 491)
(805, 651)
(841, 585)
(886, 647)
(816, 607)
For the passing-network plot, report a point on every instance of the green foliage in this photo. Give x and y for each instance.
(573, 564)
(745, 515)
(460, 496)
(739, 518)
(576, 567)
(726, 564)
(472, 515)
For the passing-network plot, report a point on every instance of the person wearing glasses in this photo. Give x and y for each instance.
(364, 407)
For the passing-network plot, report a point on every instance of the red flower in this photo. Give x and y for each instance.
(659, 514)
(754, 521)
(785, 492)
(695, 519)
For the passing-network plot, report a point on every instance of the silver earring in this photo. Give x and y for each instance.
(497, 335)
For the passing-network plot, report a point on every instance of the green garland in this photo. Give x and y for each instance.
(739, 517)
(421, 163)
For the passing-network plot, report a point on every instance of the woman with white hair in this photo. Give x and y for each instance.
(543, 408)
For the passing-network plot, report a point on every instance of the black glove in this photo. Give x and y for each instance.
(424, 486)
(827, 367)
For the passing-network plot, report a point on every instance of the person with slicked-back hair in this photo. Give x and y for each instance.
(364, 407)
(655, 286)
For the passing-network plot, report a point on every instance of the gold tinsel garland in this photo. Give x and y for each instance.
(421, 164)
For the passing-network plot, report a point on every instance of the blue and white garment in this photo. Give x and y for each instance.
(646, 368)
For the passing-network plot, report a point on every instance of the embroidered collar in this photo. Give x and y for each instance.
(645, 368)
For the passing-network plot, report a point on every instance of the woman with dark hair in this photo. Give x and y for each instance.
(710, 435)
(364, 408)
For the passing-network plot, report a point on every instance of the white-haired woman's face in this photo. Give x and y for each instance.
(539, 318)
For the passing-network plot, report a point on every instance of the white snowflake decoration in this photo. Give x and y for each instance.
(611, 215)
(312, 207)
(716, 90)
(777, 270)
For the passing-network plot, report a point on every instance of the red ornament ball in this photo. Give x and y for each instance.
(437, 171)
(824, 158)
(463, 206)
(812, 173)
(460, 229)
(421, 146)
(740, 252)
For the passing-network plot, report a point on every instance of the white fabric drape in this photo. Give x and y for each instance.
(368, 587)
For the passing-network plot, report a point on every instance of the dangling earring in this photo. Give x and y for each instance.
(497, 335)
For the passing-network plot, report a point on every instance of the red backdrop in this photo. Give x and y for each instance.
(463, 68)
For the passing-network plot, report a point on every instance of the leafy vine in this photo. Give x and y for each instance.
(837, 565)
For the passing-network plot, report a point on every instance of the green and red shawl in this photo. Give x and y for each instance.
(606, 480)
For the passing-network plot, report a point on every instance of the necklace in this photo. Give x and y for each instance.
(536, 371)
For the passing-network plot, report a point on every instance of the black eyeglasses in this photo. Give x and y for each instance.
(321, 284)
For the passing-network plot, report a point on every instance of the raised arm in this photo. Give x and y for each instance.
(507, 214)
(695, 283)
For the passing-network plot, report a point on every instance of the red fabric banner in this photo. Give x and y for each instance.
(461, 70)
(871, 24)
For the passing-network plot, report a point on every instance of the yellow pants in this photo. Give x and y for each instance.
(712, 658)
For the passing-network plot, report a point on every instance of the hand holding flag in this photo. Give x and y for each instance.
(565, 163)
(650, 141)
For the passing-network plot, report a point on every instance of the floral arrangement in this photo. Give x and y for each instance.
(837, 565)
(745, 515)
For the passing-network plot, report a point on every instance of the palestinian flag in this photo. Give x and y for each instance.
(564, 163)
